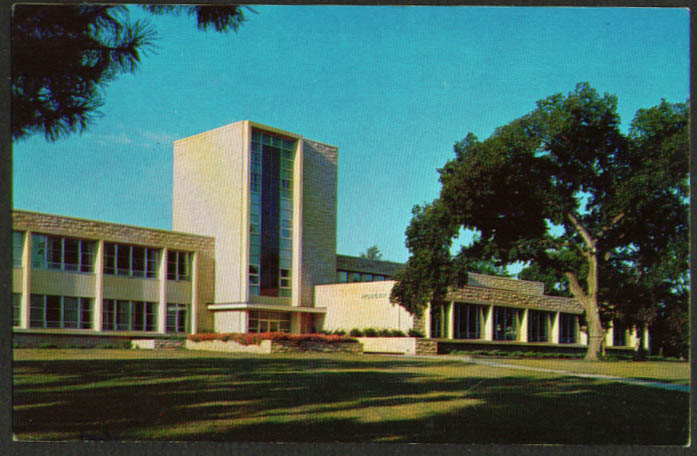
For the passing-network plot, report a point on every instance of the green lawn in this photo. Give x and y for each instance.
(660, 371)
(146, 395)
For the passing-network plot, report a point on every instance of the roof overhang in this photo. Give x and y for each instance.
(276, 308)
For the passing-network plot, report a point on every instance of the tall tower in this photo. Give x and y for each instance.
(268, 197)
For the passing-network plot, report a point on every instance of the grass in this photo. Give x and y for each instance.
(179, 395)
(661, 371)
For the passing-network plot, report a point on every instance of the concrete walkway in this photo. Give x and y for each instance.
(631, 381)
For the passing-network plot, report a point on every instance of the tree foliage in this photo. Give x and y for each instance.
(372, 253)
(64, 55)
(598, 214)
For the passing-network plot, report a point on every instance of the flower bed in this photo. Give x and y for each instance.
(272, 342)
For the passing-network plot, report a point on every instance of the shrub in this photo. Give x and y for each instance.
(340, 332)
(370, 332)
(384, 333)
(397, 333)
(415, 333)
(355, 332)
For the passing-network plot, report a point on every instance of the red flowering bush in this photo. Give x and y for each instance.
(256, 338)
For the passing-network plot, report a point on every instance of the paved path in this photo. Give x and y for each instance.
(631, 381)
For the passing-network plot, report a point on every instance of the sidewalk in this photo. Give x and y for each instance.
(631, 381)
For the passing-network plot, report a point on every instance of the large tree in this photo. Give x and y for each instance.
(597, 212)
(64, 55)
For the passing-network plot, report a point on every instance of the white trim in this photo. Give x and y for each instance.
(251, 306)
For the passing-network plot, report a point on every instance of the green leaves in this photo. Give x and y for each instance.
(556, 188)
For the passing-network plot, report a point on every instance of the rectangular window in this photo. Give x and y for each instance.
(538, 324)
(177, 318)
(47, 311)
(17, 248)
(467, 321)
(268, 321)
(342, 276)
(178, 265)
(567, 328)
(54, 252)
(355, 277)
(16, 308)
(619, 335)
(131, 260)
(121, 315)
(437, 320)
(366, 277)
(62, 253)
(505, 323)
(38, 251)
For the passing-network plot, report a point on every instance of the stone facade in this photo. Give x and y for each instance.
(488, 296)
(426, 347)
(111, 232)
(284, 346)
(503, 283)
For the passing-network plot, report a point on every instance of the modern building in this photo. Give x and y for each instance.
(253, 249)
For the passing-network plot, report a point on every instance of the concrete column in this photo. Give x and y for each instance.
(633, 339)
(295, 322)
(25, 302)
(194, 293)
(523, 326)
(609, 336)
(646, 338)
(427, 321)
(97, 309)
(488, 322)
(554, 330)
(451, 320)
(162, 305)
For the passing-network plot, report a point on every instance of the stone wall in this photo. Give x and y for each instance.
(284, 346)
(503, 283)
(426, 347)
(489, 296)
(112, 232)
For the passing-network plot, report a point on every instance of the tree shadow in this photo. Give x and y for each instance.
(331, 399)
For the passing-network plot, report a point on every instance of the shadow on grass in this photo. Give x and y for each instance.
(332, 399)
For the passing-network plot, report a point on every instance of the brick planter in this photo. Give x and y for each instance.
(285, 346)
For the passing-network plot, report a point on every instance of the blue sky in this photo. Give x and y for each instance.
(393, 87)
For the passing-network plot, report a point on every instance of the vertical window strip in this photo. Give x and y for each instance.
(16, 308)
(17, 248)
(177, 320)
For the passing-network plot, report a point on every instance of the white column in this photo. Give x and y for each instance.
(162, 307)
(97, 309)
(555, 328)
(633, 338)
(194, 293)
(427, 321)
(523, 326)
(295, 318)
(25, 302)
(646, 337)
(450, 312)
(488, 322)
(609, 335)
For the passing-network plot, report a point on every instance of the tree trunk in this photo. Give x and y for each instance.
(589, 297)
(596, 335)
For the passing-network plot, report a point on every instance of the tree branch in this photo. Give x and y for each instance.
(590, 243)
